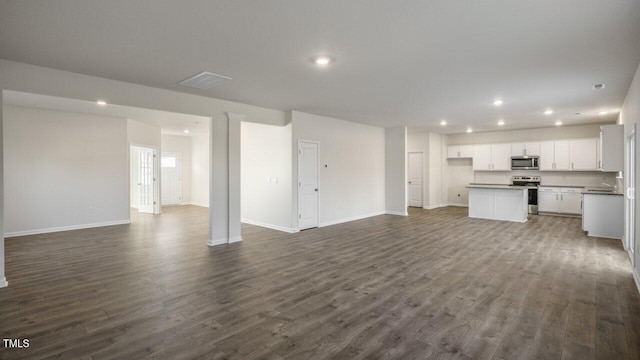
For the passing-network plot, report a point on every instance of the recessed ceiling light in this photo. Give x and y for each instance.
(469, 130)
(548, 112)
(500, 122)
(322, 60)
(443, 122)
(101, 102)
(558, 123)
(602, 113)
(498, 102)
(186, 131)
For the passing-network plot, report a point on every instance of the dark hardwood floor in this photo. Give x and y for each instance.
(435, 284)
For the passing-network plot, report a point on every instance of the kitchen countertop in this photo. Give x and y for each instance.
(496, 186)
(563, 186)
(599, 191)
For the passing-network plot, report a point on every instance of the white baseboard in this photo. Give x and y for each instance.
(197, 204)
(269, 226)
(353, 218)
(235, 239)
(217, 242)
(65, 228)
(434, 207)
(3, 282)
(400, 213)
(457, 204)
(636, 278)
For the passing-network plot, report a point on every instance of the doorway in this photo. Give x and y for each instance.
(145, 194)
(171, 175)
(308, 184)
(415, 178)
(630, 170)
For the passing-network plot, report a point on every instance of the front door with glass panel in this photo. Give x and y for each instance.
(171, 178)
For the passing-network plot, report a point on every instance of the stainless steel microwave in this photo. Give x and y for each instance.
(525, 162)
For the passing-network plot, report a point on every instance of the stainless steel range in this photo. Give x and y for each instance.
(532, 183)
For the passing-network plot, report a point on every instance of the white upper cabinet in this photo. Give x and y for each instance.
(525, 149)
(501, 157)
(584, 154)
(568, 155)
(611, 148)
(459, 151)
(495, 157)
(562, 155)
(532, 149)
(518, 149)
(482, 157)
(547, 155)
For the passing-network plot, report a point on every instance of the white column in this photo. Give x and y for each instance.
(234, 176)
(3, 279)
(224, 181)
(396, 170)
(218, 182)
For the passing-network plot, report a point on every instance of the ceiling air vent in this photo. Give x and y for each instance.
(204, 80)
(598, 86)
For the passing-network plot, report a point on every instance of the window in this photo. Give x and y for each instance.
(168, 162)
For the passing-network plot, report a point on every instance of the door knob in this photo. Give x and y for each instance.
(315, 189)
(409, 182)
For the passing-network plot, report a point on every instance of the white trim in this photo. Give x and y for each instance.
(353, 218)
(270, 226)
(66, 228)
(317, 143)
(636, 278)
(217, 242)
(400, 213)
(457, 204)
(235, 239)
(424, 195)
(3, 282)
(197, 204)
(235, 116)
(434, 206)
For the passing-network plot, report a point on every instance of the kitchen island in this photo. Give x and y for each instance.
(498, 202)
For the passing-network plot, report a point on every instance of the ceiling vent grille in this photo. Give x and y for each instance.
(204, 80)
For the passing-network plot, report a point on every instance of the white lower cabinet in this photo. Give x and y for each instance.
(548, 200)
(603, 215)
(557, 200)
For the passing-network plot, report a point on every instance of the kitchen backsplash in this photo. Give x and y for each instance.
(591, 178)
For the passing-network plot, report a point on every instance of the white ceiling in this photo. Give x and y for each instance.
(397, 62)
(169, 123)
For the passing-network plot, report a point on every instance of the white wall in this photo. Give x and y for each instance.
(434, 147)
(63, 170)
(200, 162)
(266, 173)
(352, 167)
(541, 134)
(139, 133)
(182, 145)
(396, 170)
(629, 115)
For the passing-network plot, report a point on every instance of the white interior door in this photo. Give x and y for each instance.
(307, 185)
(630, 172)
(415, 182)
(171, 176)
(146, 181)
